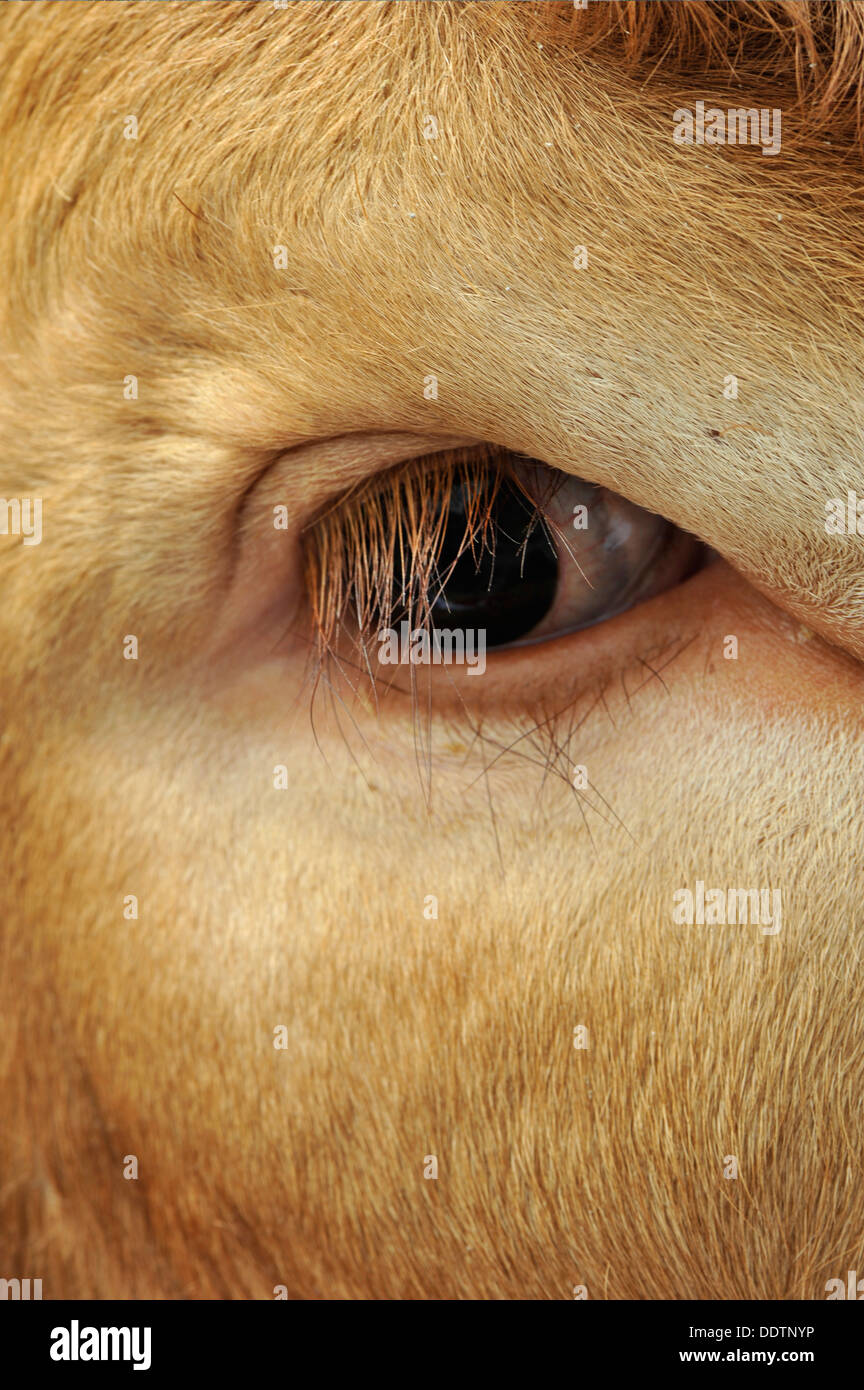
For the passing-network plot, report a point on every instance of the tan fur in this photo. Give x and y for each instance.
(304, 907)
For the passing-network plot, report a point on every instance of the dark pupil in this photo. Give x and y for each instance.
(506, 586)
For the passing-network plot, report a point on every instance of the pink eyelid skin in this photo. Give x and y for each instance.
(262, 618)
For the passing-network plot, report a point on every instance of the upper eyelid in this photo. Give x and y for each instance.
(350, 459)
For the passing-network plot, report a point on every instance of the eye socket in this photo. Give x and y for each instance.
(487, 540)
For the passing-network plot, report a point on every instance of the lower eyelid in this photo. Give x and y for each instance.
(607, 666)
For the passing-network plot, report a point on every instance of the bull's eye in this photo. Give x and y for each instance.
(488, 540)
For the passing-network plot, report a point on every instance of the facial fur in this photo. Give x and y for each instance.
(302, 907)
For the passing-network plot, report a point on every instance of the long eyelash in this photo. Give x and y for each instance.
(387, 535)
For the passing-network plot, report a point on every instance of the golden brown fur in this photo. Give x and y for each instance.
(303, 907)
